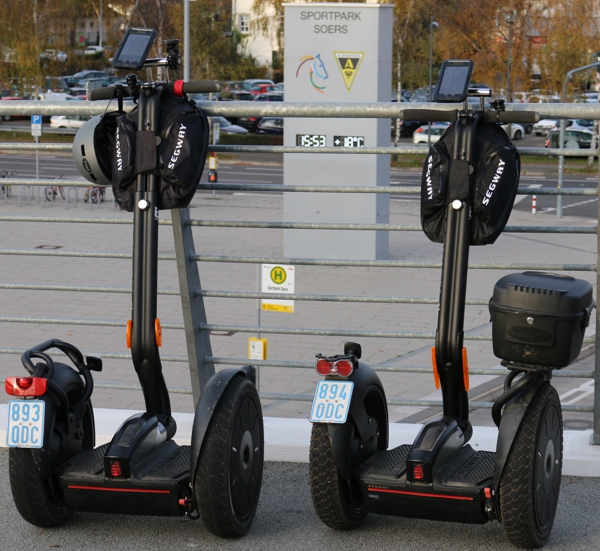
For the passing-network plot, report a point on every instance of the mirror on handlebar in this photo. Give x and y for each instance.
(134, 49)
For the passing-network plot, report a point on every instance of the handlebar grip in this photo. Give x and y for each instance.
(429, 115)
(202, 87)
(107, 92)
(513, 116)
(179, 87)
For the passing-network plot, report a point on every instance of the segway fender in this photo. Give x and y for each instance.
(512, 416)
(64, 377)
(365, 432)
(214, 389)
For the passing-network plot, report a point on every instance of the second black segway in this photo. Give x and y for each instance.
(470, 179)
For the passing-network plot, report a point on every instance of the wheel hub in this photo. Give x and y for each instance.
(246, 456)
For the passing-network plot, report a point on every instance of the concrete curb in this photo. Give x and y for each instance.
(288, 439)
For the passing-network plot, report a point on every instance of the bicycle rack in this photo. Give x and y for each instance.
(45, 196)
(75, 195)
(27, 188)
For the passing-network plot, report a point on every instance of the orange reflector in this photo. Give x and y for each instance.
(158, 332)
(128, 333)
(465, 362)
(436, 375)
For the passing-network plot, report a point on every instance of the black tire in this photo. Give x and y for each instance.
(338, 503)
(528, 128)
(518, 135)
(50, 193)
(229, 475)
(530, 484)
(39, 501)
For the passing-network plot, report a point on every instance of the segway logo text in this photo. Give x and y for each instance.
(428, 179)
(178, 147)
(495, 180)
(119, 156)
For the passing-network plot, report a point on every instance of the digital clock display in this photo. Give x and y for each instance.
(311, 140)
(348, 141)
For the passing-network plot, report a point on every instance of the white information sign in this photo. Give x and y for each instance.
(277, 278)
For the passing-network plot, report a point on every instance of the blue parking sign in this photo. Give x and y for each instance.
(36, 125)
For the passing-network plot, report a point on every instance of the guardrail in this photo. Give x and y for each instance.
(195, 324)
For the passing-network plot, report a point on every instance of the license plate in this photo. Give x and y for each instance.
(25, 424)
(331, 402)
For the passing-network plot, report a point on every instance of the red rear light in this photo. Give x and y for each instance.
(420, 129)
(252, 119)
(344, 368)
(323, 367)
(25, 386)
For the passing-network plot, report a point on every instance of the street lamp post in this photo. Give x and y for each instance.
(432, 25)
(508, 88)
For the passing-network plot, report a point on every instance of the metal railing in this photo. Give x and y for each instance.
(195, 324)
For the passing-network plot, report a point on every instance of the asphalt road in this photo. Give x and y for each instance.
(285, 520)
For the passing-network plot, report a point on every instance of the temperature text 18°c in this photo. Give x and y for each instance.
(310, 140)
(348, 141)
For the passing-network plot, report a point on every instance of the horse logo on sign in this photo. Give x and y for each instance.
(316, 70)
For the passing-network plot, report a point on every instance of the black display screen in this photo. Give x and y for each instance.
(453, 82)
(134, 49)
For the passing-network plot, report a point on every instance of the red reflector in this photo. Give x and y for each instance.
(418, 472)
(487, 492)
(115, 468)
(323, 367)
(344, 368)
(25, 386)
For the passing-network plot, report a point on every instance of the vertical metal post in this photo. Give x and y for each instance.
(186, 40)
(194, 312)
(595, 439)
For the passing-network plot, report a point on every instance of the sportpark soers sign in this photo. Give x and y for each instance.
(277, 278)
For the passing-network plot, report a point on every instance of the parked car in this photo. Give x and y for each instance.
(226, 127)
(423, 135)
(270, 125)
(13, 117)
(89, 74)
(67, 121)
(251, 123)
(574, 139)
(516, 130)
(93, 50)
(250, 82)
(408, 128)
(545, 126)
(54, 55)
(264, 88)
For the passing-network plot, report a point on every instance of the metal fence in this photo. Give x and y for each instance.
(195, 323)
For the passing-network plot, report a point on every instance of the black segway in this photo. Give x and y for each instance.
(54, 467)
(470, 180)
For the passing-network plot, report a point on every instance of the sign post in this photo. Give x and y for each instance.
(36, 132)
(337, 52)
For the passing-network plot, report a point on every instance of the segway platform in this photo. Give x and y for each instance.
(462, 483)
(161, 480)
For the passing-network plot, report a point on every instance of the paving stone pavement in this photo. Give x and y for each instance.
(409, 246)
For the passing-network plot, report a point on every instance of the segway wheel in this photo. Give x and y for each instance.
(338, 503)
(229, 475)
(530, 484)
(39, 501)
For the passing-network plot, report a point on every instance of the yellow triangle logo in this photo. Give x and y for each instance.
(348, 62)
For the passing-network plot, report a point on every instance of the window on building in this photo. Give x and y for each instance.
(244, 23)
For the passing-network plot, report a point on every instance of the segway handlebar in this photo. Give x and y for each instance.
(491, 115)
(177, 88)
